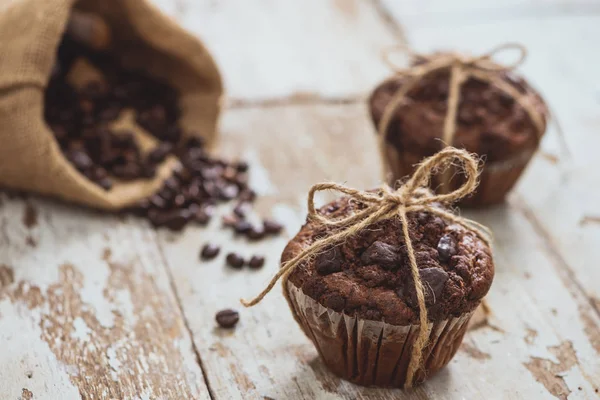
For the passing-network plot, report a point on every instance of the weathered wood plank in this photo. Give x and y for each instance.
(420, 14)
(559, 190)
(86, 309)
(267, 355)
(299, 50)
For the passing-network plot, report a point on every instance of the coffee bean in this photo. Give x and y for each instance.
(160, 152)
(227, 318)
(105, 183)
(243, 227)
(157, 201)
(230, 221)
(256, 233)
(247, 195)
(272, 227)
(385, 255)
(174, 220)
(235, 260)
(210, 251)
(80, 159)
(242, 166)
(329, 261)
(228, 192)
(446, 248)
(256, 262)
(240, 209)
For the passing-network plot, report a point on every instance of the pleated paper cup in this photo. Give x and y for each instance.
(374, 353)
(495, 182)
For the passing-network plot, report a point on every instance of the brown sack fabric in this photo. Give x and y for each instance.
(142, 37)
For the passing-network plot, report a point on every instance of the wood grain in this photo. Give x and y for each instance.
(268, 350)
(86, 309)
(95, 307)
(288, 49)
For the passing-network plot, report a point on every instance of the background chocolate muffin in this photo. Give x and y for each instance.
(357, 302)
(489, 122)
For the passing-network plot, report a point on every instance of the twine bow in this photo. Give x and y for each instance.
(461, 69)
(413, 196)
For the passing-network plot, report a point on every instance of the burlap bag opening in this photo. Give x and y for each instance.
(30, 31)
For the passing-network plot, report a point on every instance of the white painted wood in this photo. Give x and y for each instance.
(270, 49)
(430, 13)
(86, 309)
(559, 190)
(267, 348)
(77, 321)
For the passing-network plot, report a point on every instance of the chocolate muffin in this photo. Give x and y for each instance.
(489, 122)
(357, 301)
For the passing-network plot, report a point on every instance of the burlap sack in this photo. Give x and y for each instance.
(30, 31)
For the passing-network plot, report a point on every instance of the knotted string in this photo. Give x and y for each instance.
(413, 196)
(461, 69)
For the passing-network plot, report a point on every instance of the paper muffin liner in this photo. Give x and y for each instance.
(496, 179)
(374, 353)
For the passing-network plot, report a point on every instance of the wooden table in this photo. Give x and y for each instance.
(102, 307)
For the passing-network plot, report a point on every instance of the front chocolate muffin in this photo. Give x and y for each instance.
(357, 300)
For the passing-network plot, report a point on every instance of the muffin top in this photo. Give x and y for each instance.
(489, 122)
(369, 274)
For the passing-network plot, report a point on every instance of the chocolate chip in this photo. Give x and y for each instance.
(329, 261)
(227, 318)
(210, 251)
(383, 254)
(256, 262)
(434, 280)
(272, 227)
(234, 260)
(446, 248)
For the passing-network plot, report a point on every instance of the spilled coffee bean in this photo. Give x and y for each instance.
(256, 262)
(234, 260)
(210, 251)
(227, 318)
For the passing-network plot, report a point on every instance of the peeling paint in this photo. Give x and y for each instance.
(591, 329)
(7, 276)
(530, 335)
(550, 374)
(473, 352)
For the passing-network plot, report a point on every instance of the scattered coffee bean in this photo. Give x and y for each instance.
(235, 260)
(256, 262)
(385, 255)
(446, 247)
(227, 318)
(272, 227)
(243, 227)
(230, 221)
(256, 233)
(80, 120)
(210, 251)
(329, 261)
